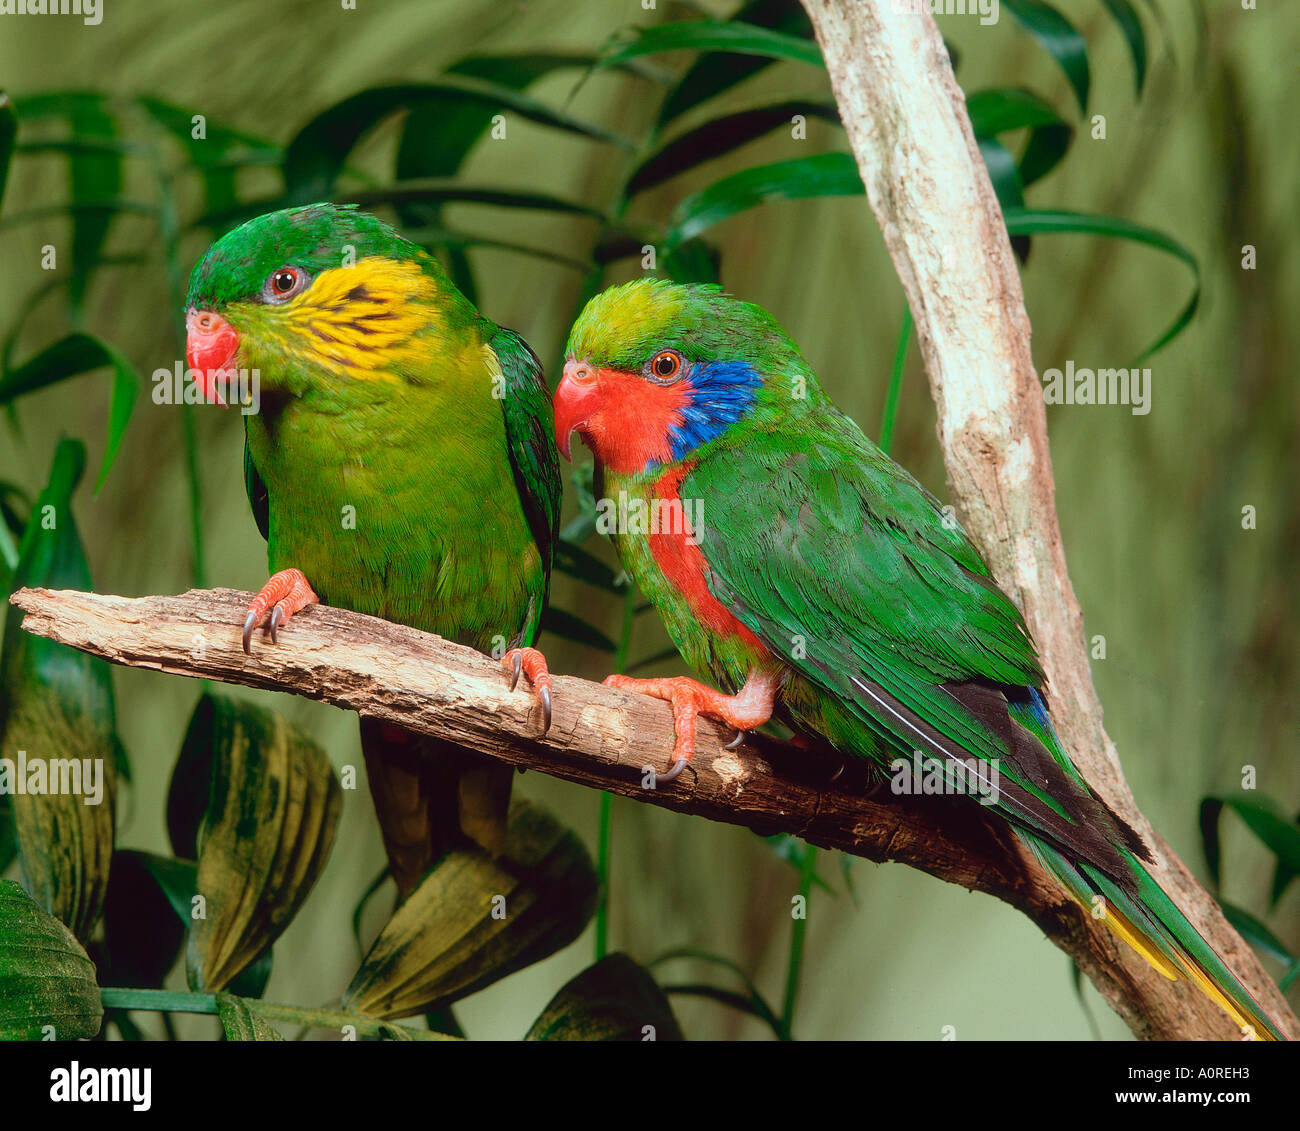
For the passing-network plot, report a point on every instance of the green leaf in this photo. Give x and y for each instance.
(95, 175)
(654, 658)
(1255, 933)
(1280, 835)
(444, 126)
(446, 238)
(614, 1000)
(999, 109)
(1046, 149)
(823, 174)
(1290, 977)
(360, 909)
(1002, 109)
(694, 261)
(889, 417)
(1211, 844)
(709, 35)
(218, 156)
(475, 918)
(251, 981)
(1032, 221)
(8, 834)
(70, 357)
(8, 131)
(715, 72)
(1002, 172)
(756, 1003)
(583, 525)
(316, 155)
(440, 132)
(141, 935)
(794, 852)
(722, 135)
(190, 791)
(241, 1020)
(1131, 25)
(447, 191)
(264, 840)
(1283, 874)
(46, 977)
(569, 626)
(577, 562)
(436, 191)
(56, 703)
(1058, 37)
(91, 177)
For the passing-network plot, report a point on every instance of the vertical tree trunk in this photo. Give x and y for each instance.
(926, 182)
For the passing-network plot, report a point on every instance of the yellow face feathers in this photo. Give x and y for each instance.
(362, 321)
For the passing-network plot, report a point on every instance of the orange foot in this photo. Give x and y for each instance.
(286, 593)
(750, 707)
(533, 664)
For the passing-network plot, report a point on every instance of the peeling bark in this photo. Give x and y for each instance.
(600, 737)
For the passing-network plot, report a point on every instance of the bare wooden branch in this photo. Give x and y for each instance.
(599, 737)
(927, 185)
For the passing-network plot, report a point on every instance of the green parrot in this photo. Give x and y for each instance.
(399, 463)
(803, 570)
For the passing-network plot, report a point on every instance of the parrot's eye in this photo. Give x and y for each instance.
(283, 283)
(665, 365)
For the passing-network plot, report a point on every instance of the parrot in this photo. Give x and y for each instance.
(400, 463)
(813, 579)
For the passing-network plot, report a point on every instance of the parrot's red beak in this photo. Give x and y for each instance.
(576, 398)
(210, 346)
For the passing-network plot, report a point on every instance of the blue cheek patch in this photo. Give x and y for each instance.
(720, 394)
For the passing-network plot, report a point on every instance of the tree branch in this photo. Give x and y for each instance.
(927, 185)
(599, 737)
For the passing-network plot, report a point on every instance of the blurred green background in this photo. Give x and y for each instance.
(1199, 616)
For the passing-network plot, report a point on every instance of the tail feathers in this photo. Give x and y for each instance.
(1150, 923)
(430, 797)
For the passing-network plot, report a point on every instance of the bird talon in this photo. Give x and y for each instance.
(530, 662)
(674, 771)
(739, 740)
(277, 619)
(250, 623)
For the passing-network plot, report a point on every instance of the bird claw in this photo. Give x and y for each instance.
(286, 593)
(674, 771)
(738, 741)
(530, 662)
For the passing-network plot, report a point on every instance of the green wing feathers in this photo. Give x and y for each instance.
(526, 405)
(847, 571)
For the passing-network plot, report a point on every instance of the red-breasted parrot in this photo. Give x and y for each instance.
(400, 464)
(799, 567)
